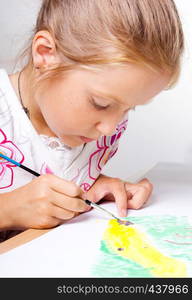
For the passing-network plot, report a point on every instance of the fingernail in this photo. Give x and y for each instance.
(127, 186)
(84, 196)
(88, 208)
(123, 213)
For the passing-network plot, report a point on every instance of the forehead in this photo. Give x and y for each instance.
(130, 84)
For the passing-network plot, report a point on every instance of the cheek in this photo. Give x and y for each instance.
(67, 121)
(64, 114)
(51, 113)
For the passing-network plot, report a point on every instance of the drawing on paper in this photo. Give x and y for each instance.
(150, 246)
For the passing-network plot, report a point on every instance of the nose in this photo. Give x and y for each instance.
(107, 127)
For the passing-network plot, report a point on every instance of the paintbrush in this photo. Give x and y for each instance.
(88, 202)
(2, 156)
(94, 205)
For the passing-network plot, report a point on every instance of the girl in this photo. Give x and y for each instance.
(63, 114)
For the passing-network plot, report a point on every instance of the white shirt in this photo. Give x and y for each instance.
(20, 141)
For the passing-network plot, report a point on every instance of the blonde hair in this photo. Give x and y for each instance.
(91, 33)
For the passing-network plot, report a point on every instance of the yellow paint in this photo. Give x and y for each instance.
(136, 247)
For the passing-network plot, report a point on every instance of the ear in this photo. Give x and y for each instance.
(44, 50)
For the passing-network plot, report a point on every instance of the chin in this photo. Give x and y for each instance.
(73, 145)
(72, 142)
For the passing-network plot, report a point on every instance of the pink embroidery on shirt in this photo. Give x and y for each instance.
(6, 168)
(106, 148)
(45, 169)
(85, 186)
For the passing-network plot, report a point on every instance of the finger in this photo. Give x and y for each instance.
(72, 204)
(53, 222)
(129, 195)
(47, 222)
(61, 185)
(139, 198)
(120, 196)
(62, 214)
(145, 182)
(95, 194)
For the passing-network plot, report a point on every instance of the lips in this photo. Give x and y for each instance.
(86, 140)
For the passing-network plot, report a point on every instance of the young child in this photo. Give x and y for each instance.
(63, 114)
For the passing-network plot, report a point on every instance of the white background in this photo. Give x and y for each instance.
(159, 131)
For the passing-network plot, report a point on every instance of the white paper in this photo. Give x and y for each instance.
(71, 249)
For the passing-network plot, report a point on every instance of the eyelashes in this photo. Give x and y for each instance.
(105, 107)
(98, 106)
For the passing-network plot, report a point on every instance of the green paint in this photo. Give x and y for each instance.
(159, 229)
(112, 265)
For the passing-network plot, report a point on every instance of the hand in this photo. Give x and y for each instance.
(43, 203)
(127, 195)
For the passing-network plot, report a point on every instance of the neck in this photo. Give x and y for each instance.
(27, 96)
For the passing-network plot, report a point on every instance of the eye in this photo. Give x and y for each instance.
(98, 105)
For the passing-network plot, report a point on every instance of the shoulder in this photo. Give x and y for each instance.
(4, 77)
(6, 89)
(8, 97)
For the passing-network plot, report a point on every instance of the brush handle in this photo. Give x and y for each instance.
(29, 170)
(92, 204)
(9, 159)
(19, 165)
